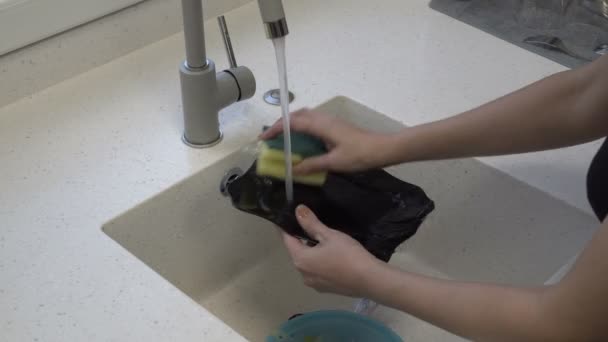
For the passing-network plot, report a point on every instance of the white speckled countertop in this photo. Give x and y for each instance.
(89, 148)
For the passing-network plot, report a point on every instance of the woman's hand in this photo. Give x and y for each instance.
(350, 148)
(338, 264)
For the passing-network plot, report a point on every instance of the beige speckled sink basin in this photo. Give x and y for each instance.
(487, 227)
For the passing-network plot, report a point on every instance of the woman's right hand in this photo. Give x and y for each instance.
(350, 148)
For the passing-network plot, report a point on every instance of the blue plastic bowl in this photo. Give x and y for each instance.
(333, 326)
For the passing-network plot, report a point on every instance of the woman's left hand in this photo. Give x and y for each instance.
(338, 264)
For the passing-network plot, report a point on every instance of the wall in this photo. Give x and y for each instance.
(38, 66)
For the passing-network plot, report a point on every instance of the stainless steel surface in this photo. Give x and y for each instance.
(273, 16)
(273, 97)
(194, 33)
(601, 50)
(276, 29)
(228, 178)
(552, 43)
(227, 42)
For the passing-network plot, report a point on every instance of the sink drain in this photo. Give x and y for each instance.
(228, 178)
(273, 97)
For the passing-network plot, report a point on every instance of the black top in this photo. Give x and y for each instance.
(597, 182)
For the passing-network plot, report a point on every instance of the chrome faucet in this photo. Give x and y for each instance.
(205, 92)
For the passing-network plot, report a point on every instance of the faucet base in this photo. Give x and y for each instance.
(207, 145)
(204, 94)
(199, 104)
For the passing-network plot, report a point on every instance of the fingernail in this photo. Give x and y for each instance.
(302, 211)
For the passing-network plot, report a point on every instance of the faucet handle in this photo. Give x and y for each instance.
(221, 20)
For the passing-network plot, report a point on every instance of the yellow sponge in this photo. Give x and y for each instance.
(271, 158)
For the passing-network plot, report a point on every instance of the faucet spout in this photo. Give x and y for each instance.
(273, 16)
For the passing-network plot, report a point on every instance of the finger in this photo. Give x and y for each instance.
(277, 127)
(313, 164)
(312, 123)
(301, 111)
(310, 223)
(273, 131)
(294, 245)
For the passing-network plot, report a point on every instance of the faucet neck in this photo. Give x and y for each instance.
(194, 33)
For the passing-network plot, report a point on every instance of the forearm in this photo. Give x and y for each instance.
(477, 311)
(565, 109)
(573, 310)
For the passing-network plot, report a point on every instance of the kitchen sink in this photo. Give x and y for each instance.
(487, 226)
